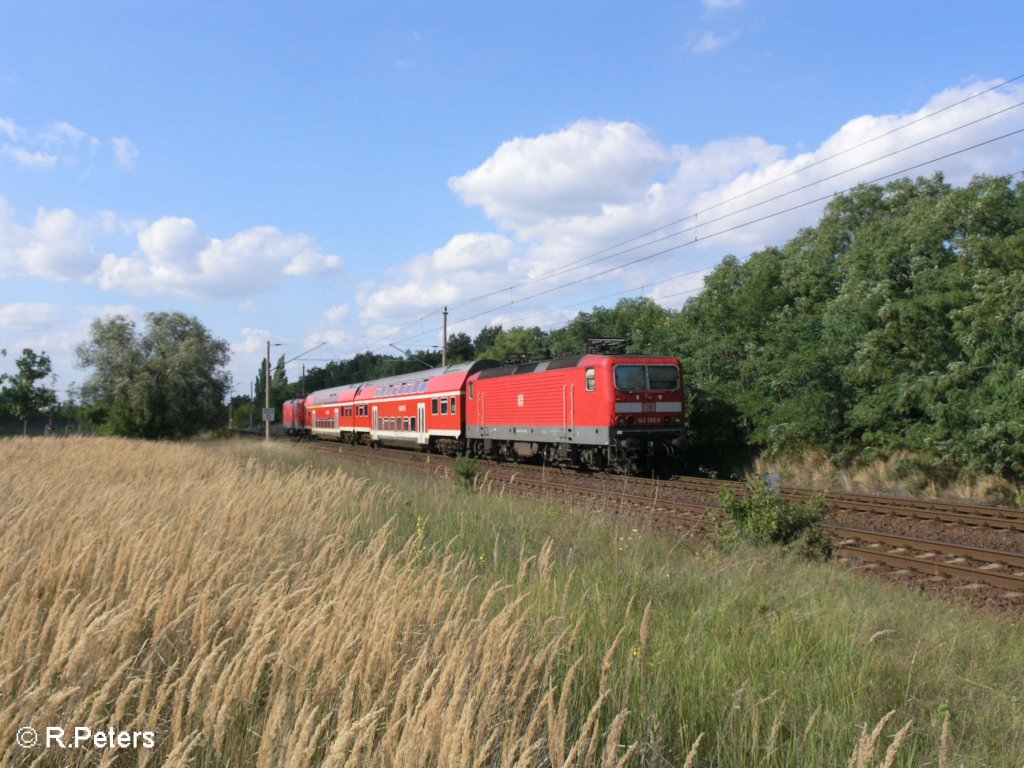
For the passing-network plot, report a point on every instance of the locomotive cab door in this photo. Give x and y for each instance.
(568, 411)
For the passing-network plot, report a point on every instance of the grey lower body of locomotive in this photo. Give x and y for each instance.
(623, 449)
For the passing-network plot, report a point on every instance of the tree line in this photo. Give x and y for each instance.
(896, 324)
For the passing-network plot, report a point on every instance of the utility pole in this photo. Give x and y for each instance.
(252, 403)
(266, 421)
(444, 349)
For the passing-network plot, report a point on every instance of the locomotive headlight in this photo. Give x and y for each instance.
(630, 419)
(620, 421)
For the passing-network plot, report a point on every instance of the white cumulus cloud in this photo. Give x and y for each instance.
(175, 256)
(576, 171)
(58, 144)
(10, 128)
(337, 314)
(28, 159)
(468, 261)
(125, 152)
(611, 208)
(27, 316)
(709, 41)
(56, 245)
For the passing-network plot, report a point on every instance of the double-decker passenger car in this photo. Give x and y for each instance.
(421, 409)
(619, 412)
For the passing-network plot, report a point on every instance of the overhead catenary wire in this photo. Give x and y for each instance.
(579, 263)
(725, 230)
(695, 227)
(590, 259)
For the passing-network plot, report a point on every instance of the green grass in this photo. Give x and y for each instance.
(778, 661)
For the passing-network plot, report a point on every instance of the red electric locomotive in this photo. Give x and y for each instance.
(618, 412)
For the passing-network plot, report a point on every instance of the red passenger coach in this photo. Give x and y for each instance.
(293, 416)
(330, 414)
(421, 409)
(424, 409)
(619, 412)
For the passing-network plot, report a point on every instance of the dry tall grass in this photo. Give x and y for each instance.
(237, 615)
(250, 608)
(898, 475)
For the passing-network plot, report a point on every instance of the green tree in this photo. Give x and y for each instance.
(519, 343)
(485, 339)
(460, 348)
(168, 382)
(894, 325)
(21, 395)
(644, 323)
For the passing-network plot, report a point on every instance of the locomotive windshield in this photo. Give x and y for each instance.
(629, 378)
(663, 376)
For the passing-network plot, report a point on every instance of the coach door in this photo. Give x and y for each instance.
(421, 423)
(373, 424)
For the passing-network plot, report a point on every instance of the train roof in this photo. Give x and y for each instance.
(366, 389)
(464, 368)
(432, 380)
(570, 361)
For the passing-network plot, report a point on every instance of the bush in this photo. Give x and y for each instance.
(759, 515)
(466, 470)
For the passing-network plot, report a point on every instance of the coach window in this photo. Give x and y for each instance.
(591, 380)
(405, 424)
(451, 407)
(433, 407)
(412, 424)
(444, 406)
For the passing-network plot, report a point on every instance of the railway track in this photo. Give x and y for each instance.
(972, 565)
(689, 507)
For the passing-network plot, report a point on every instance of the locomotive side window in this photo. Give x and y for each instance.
(630, 377)
(471, 389)
(663, 376)
(591, 380)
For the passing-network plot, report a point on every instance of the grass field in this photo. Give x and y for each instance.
(252, 605)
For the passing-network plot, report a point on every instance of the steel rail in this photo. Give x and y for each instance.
(959, 571)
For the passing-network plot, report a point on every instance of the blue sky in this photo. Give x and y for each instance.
(338, 172)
